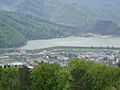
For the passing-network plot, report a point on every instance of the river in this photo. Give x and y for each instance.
(73, 41)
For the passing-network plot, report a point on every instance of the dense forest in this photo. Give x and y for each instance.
(77, 75)
(22, 27)
(10, 38)
(78, 13)
(106, 27)
(32, 28)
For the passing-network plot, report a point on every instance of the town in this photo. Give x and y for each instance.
(59, 55)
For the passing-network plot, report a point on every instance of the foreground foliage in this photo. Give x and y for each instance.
(77, 75)
(50, 77)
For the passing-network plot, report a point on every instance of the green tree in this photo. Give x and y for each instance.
(24, 77)
(118, 64)
(0, 78)
(78, 69)
(116, 78)
(10, 79)
(50, 77)
(91, 76)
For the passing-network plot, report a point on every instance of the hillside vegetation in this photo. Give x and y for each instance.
(18, 28)
(28, 28)
(32, 28)
(30, 18)
(106, 28)
(78, 13)
(10, 38)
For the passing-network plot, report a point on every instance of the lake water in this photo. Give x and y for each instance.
(73, 41)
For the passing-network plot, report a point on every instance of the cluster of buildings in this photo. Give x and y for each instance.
(106, 57)
(15, 58)
(30, 58)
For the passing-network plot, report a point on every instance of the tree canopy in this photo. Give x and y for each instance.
(77, 75)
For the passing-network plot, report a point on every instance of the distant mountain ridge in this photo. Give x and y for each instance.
(78, 13)
(45, 19)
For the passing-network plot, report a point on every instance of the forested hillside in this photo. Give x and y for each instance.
(30, 18)
(10, 38)
(31, 28)
(27, 27)
(104, 27)
(78, 13)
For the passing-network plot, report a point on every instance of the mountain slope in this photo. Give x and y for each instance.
(32, 28)
(79, 13)
(74, 15)
(10, 38)
(84, 13)
(33, 7)
(28, 28)
(106, 28)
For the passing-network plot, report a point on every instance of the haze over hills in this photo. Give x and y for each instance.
(45, 19)
(85, 12)
(106, 28)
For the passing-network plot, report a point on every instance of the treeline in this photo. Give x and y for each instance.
(77, 75)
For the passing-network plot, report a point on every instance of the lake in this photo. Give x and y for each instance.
(73, 41)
